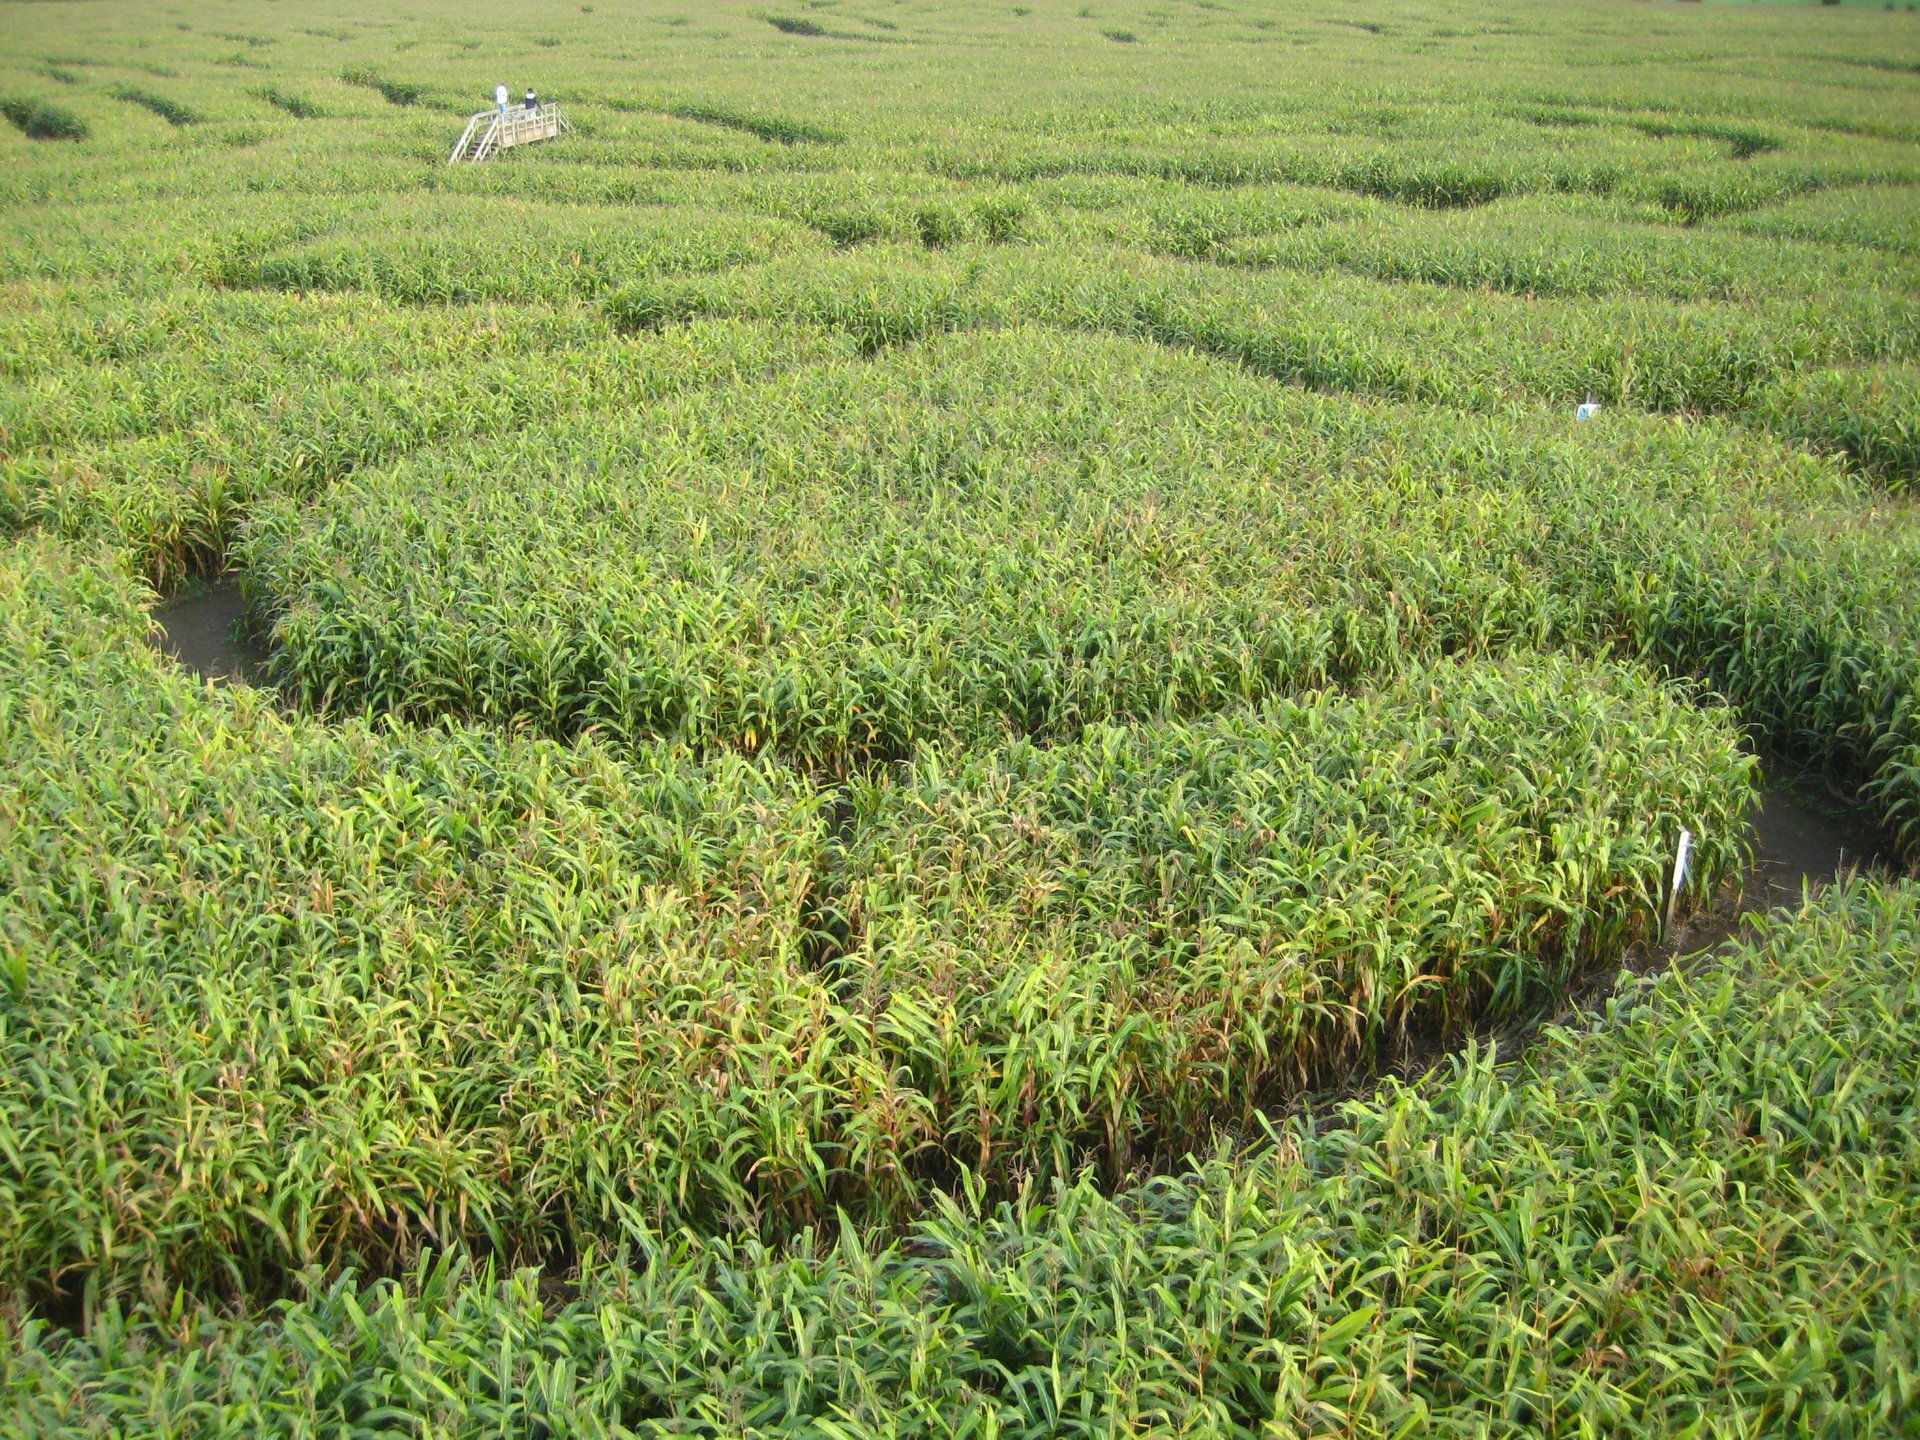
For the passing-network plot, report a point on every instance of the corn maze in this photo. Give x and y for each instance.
(940, 706)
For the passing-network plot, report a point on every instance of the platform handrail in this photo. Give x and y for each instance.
(516, 126)
(465, 142)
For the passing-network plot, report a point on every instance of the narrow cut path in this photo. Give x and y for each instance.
(205, 631)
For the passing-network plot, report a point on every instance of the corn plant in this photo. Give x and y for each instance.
(829, 567)
(394, 991)
(1696, 1214)
(889, 658)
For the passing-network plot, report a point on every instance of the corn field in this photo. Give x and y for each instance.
(941, 705)
(1681, 1220)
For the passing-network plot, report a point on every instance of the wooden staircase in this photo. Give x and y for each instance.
(490, 132)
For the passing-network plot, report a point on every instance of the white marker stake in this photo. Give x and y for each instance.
(1680, 861)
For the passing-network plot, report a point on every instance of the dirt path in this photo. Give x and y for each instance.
(205, 631)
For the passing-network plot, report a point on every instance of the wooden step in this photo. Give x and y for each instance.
(490, 132)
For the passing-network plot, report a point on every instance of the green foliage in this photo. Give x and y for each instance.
(1877, 218)
(1439, 344)
(1536, 246)
(449, 249)
(361, 964)
(1697, 1217)
(766, 127)
(926, 618)
(1127, 938)
(406, 990)
(43, 120)
(396, 92)
(1011, 534)
(294, 105)
(1870, 414)
(246, 396)
(170, 110)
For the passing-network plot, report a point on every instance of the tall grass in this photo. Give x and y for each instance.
(1006, 535)
(295, 105)
(766, 127)
(174, 112)
(1697, 1216)
(395, 92)
(858, 694)
(43, 120)
(1435, 344)
(240, 398)
(401, 991)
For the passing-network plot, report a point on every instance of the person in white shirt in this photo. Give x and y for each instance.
(501, 98)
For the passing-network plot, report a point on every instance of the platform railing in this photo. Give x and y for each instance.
(492, 131)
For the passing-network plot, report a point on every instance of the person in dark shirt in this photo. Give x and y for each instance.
(533, 101)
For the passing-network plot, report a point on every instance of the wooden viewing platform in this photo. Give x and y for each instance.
(490, 132)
